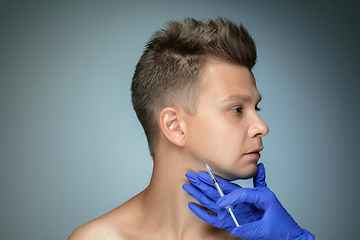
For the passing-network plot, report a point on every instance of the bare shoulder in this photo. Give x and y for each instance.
(97, 229)
(118, 224)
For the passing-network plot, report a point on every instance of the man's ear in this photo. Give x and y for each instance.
(171, 125)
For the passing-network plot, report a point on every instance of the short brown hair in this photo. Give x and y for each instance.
(167, 72)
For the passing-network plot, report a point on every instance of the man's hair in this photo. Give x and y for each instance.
(167, 72)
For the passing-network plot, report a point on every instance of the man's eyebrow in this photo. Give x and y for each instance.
(240, 98)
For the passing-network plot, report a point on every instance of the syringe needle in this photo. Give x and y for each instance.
(216, 183)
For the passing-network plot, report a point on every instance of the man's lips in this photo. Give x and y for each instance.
(258, 150)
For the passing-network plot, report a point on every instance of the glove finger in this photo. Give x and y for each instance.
(208, 190)
(259, 179)
(252, 230)
(224, 184)
(200, 197)
(222, 214)
(241, 195)
(243, 213)
(203, 214)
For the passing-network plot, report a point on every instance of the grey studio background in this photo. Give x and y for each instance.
(71, 148)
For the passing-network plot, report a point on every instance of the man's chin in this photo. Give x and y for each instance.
(243, 175)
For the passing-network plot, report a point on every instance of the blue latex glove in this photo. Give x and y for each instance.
(276, 222)
(204, 191)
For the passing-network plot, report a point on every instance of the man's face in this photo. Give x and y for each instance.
(226, 131)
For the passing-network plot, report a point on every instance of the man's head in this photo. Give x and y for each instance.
(167, 72)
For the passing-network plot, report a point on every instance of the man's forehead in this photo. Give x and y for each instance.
(218, 75)
(211, 65)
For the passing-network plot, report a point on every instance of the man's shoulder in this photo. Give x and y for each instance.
(97, 229)
(114, 225)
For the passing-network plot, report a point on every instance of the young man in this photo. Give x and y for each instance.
(196, 98)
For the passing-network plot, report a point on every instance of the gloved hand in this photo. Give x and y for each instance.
(207, 195)
(274, 223)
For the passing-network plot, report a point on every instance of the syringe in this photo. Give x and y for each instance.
(228, 208)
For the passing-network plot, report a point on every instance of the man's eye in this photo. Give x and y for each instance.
(237, 109)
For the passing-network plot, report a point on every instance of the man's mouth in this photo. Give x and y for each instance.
(258, 150)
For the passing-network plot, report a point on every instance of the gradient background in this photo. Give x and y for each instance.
(71, 147)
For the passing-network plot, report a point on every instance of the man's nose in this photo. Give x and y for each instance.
(258, 127)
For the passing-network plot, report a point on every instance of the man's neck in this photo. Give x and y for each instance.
(166, 203)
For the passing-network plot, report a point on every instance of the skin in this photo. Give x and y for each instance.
(219, 133)
(227, 127)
